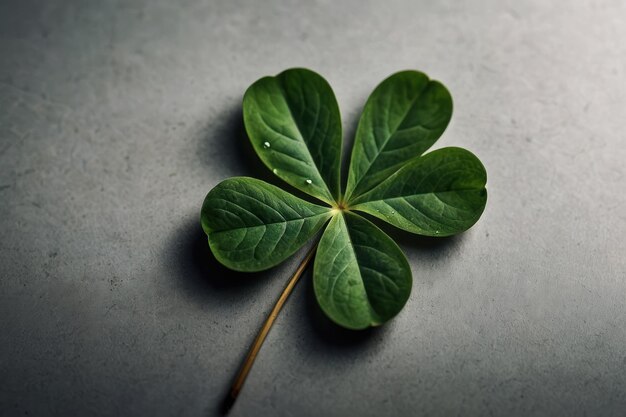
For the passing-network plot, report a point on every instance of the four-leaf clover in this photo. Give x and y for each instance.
(361, 277)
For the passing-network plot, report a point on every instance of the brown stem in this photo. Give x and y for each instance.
(258, 342)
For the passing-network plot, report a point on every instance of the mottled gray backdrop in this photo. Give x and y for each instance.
(117, 117)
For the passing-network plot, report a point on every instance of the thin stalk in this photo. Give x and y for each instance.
(258, 342)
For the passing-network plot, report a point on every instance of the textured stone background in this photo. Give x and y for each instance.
(116, 118)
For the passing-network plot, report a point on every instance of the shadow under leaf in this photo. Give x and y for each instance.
(201, 276)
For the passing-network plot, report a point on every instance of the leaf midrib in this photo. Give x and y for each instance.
(413, 195)
(279, 82)
(374, 316)
(395, 130)
(271, 223)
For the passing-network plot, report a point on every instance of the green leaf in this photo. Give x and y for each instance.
(253, 225)
(403, 117)
(440, 194)
(361, 277)
(294, 125)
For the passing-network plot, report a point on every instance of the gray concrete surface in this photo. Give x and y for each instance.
(116, 118)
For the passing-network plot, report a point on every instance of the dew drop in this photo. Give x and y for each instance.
(309, 182)
(393, 212)
(275, 171)
(266, 145)
(436, 232)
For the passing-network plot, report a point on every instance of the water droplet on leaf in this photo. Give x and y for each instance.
(275, 171)
(266, 145)
(309, 182)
